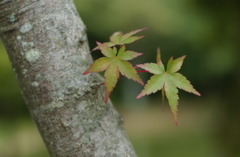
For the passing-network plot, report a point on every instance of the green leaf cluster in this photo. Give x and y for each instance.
(116, 62)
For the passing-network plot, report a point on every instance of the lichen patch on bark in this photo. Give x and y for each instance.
(35, 84)
(24, 71)
(19, 37)
(13, 18)
(26, 28)
(32, 55)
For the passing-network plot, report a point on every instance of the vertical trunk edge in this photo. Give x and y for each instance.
(47, 45)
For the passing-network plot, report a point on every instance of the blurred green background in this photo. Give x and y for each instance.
(207, 31)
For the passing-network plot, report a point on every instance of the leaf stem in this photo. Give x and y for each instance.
(143, 71)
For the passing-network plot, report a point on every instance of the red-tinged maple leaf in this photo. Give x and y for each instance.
(114, 63)
(118, 38)
(167, 80)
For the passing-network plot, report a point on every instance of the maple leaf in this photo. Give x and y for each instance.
(114, 63)
(167, 80)
(118, 38)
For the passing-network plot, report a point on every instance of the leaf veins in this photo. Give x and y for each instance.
(114, 63)
(167, 80)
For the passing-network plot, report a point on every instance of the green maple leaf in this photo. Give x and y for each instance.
(114, 63)
(167, 80)
(118, 38)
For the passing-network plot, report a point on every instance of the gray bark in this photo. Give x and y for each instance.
(47, 46)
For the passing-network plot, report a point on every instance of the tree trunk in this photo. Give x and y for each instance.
(47, 45)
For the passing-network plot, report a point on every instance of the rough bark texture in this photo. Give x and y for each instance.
(47, 45)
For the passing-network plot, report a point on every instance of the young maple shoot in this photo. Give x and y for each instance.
(114, 63)
(118, 38)
(167, 80)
